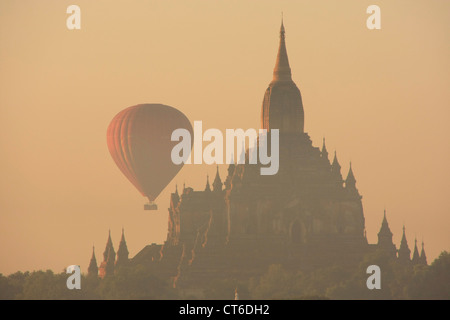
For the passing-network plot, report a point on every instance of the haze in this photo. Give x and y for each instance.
(380, 97)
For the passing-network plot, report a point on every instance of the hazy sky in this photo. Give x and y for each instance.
(380, 97)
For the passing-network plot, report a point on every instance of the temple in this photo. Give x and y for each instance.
(305, 217)
(110, 264)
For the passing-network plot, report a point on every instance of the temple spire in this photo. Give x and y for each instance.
(324, 147)
(350, 181)
(416, 256)
(217, 184)
(336, 169)
(282, 106)
(385, 237)
(122, 239)
(335, 160)
(208, 187)
(404, 253)
(423, 257)
(93, 268)
(282, 70)
(384, 224)
(324, 152)
(122, 252)
(109, 245)
(109, 256)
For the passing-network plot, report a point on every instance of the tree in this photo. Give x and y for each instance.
(431, 282)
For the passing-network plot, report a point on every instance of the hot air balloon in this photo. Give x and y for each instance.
(139, 140)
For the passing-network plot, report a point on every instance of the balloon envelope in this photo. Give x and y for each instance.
(139, 140)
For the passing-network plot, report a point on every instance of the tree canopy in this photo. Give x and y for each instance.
(398, 281)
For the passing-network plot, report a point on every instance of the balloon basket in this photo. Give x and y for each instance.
(150, 206)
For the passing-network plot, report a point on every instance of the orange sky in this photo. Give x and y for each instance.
(381, 99)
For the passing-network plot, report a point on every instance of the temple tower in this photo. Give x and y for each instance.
(109, 256)
(404, 253)
(423, 257)
(282, 106)
(416, 257)
(122, 252)
(385, 238)
(93, 268)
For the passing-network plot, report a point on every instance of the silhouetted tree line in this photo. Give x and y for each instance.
(127, 283)
(398, 281)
